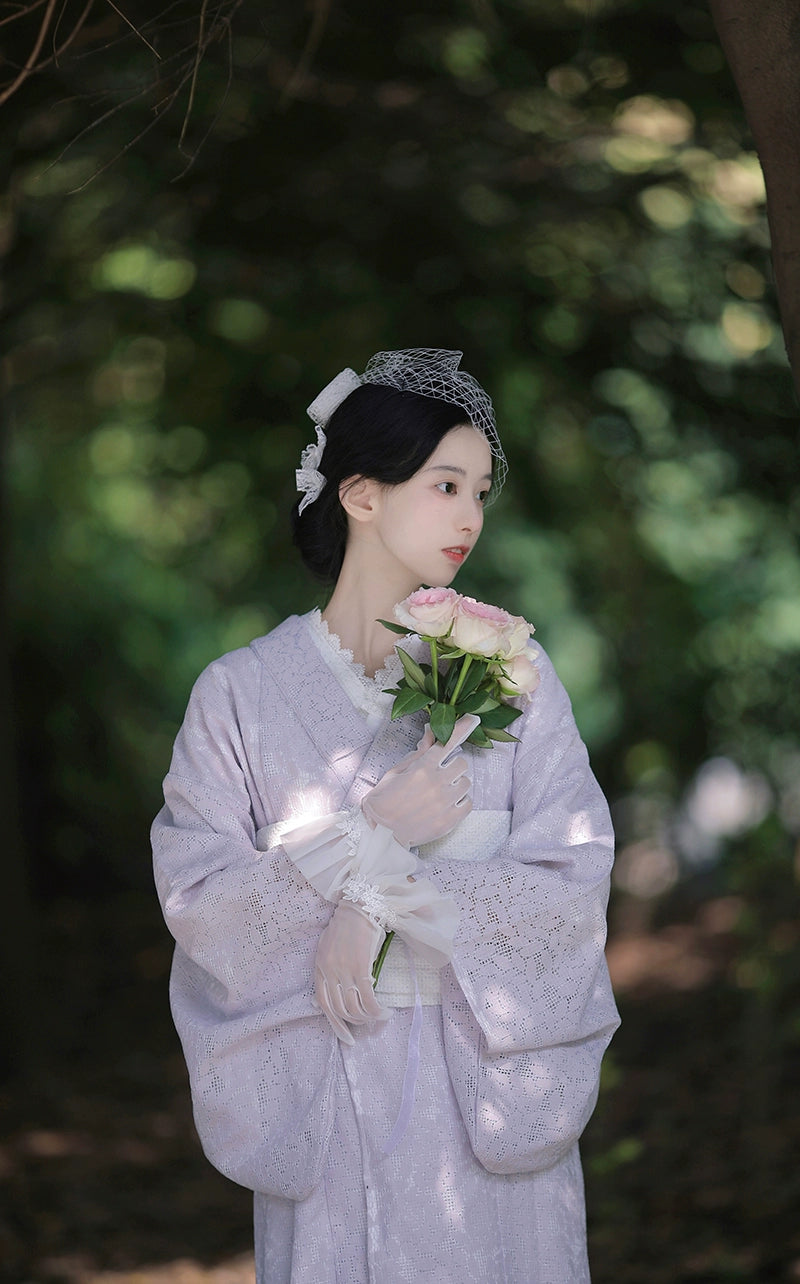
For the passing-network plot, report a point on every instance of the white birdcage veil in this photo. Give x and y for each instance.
(434, 372)
(430, 372)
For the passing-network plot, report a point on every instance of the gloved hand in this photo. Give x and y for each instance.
(346, 952)
(428, 792)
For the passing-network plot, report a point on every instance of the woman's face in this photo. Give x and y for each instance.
(429, 524)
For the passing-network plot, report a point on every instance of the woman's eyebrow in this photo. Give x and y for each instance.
(452, 468)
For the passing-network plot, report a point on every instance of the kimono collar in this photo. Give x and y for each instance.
(357, 756)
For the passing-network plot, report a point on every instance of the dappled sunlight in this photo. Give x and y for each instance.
(447, 1190)
(568, 190)
(141, 268)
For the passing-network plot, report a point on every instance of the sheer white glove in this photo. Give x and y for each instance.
(428, 792)
(346, 952)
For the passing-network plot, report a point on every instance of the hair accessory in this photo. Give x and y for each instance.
(310, 480)
(434, 372)
(430, 372)
(332, 396)
(308, 477)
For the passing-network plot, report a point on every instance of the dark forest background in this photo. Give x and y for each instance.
(569, 193)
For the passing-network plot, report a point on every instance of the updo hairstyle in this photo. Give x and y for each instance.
(376, 432)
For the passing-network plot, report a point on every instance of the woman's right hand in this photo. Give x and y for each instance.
(429, 791)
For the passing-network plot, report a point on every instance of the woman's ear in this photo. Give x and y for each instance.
(358, 496)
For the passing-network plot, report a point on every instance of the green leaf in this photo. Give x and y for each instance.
(413, 672)
(450, 680)
(409, 702)
(478, 702)
(443, 719)
(474, 677)
(495, 733)
(395, 691)
(395, 628)
(479, 738)
(500, 717)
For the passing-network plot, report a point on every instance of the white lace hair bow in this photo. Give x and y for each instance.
(430, 372)
(310, 480)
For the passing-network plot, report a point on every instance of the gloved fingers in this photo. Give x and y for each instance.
(462, 730)
(353, 1003)
(462, 788)
(324, 1000)
(455, 769)
(347, 1003)
(369, 1001)
(427, 741)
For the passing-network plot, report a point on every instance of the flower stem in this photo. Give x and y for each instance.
(435, 668)
(461, 677)
(378, 964)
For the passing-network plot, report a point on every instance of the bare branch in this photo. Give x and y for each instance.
(191, 160)
(23, 11)
(30, 64)
(133, 28)
(201, 48)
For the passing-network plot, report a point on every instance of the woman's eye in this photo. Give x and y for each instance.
(483, 496)
(447, 487)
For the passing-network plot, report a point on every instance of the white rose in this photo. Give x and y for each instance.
(517, 637)
(428, 612)
(521, 674)
(478, 628)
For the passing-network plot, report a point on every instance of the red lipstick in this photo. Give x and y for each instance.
(457, 553)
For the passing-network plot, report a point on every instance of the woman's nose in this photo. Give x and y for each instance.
(472, 517)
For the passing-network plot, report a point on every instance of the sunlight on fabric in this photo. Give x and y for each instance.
(447, 1189)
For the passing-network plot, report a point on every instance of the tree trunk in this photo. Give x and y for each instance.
(761, 40)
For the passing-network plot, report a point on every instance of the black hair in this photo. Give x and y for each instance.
(376, 432)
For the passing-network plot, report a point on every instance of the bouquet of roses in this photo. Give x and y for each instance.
(480, 656)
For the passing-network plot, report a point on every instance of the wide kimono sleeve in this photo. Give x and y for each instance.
(527, 1005)
(262, 1061)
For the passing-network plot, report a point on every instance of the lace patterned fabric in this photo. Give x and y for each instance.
(486, 1185)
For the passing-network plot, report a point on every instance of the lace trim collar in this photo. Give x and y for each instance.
(366, 693)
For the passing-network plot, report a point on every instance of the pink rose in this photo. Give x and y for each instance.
(517, 636)
(478, 628)
(428, 612)
(521, 676)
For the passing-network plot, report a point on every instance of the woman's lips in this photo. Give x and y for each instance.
(456, 554)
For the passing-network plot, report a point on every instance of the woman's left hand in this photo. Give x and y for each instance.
(343, 970)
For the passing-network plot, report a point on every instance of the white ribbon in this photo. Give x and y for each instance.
(310, 480)
(332, 396)
(308, 477)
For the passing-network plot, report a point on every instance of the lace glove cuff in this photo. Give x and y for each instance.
(343, 858)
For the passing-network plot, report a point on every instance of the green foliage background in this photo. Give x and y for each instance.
(565, 191)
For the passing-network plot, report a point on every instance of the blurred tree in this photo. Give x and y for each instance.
(573, 202)
(567, 191)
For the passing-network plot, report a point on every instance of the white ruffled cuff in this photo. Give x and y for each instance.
(343, 858)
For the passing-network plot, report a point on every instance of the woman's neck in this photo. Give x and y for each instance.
(364, 595)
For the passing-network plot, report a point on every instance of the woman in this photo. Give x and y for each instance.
(289, 788)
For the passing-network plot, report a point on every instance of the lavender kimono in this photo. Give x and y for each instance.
(485, 1187)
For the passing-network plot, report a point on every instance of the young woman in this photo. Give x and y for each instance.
(381, 1146)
